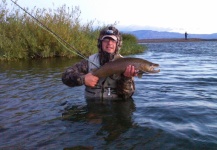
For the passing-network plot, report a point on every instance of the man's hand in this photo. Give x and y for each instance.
(90, 80)
(130, 71)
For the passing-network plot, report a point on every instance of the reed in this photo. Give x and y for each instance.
(130, 45)
(22, 38)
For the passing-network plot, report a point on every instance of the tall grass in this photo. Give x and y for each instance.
(22, 38)
(130, 45)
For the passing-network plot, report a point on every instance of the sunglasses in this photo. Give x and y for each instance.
(106, 40)
(109, 32)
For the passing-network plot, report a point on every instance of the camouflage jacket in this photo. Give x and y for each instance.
(74, 76)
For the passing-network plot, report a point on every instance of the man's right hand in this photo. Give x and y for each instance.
(90, 80)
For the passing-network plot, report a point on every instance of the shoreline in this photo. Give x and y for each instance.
(173, 40)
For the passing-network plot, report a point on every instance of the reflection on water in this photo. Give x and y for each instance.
(114, 117)
(174, 109)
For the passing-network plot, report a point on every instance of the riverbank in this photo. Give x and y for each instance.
(56, 33)
(173, 40)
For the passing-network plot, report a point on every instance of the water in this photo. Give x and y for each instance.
(174, 109)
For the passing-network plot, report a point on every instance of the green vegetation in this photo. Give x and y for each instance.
(22, 38)
(130, 45)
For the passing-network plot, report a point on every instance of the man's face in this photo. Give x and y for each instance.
(109, 45)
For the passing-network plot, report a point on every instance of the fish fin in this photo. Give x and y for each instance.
(115, 76)
(92, 70)
(117, 57)
(140, 74)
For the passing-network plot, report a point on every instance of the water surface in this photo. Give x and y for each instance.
(174, 109)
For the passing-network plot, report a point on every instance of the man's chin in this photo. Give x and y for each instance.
(110, 51)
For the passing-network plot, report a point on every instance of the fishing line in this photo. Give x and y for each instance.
(57, 37)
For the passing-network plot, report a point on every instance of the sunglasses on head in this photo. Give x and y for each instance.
(109, 32)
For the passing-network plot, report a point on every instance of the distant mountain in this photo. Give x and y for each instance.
(149, 34)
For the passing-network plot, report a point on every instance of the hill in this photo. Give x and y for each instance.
(149, 34)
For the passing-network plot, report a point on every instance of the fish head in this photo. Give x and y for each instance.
(149, 68)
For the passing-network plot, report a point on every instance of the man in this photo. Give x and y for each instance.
(113, 87)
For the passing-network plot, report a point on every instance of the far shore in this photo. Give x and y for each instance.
(174, 40)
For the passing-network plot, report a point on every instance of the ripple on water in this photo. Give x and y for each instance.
(175, 108)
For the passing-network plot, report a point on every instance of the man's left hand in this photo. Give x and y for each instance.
(130, 71)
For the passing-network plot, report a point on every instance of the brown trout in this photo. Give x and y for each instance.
(118, 66)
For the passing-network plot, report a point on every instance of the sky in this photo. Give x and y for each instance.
(192, 16)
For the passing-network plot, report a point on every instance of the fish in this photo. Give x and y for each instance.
(119, 65)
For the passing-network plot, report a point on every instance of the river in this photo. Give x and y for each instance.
(174, 109)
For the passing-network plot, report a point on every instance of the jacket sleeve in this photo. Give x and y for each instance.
(125, 87)
(74, 75)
